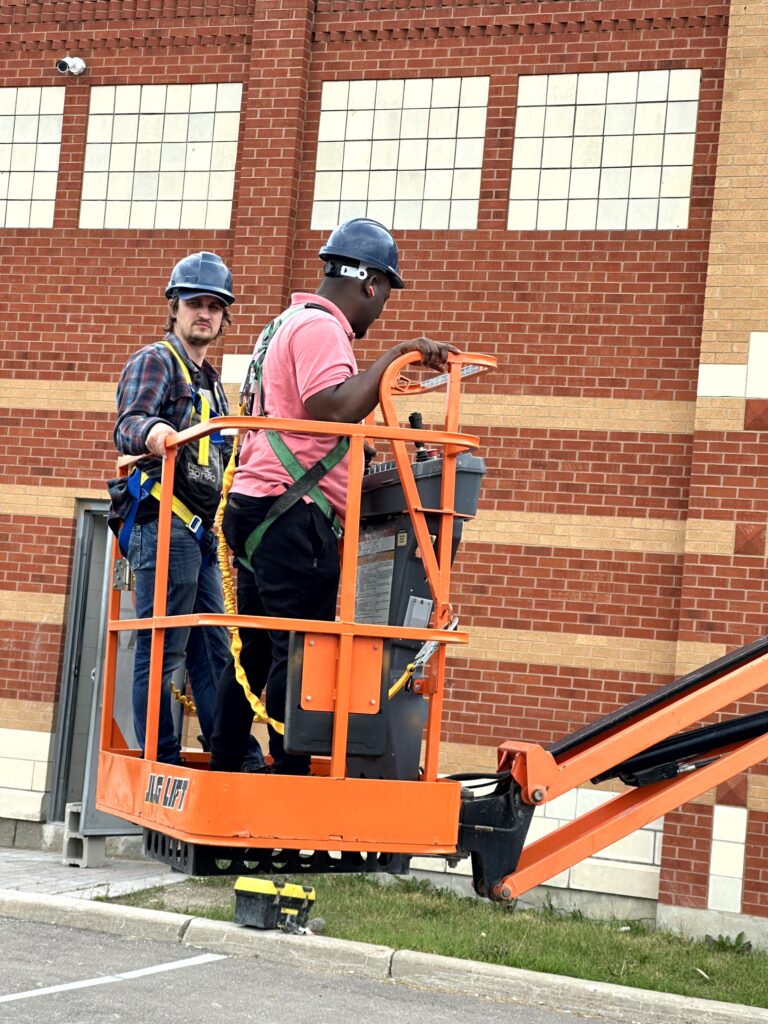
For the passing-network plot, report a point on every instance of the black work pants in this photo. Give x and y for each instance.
(294, 574)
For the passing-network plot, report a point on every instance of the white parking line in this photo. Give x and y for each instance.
(108, 979)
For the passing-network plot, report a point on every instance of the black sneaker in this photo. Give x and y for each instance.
(256, 768)
(290, 768)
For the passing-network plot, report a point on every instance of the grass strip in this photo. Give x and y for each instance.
(413, 914)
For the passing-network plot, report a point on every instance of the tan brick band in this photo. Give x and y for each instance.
(55, 502)
(757, 792)
(583, 650)
(541, 412)
(34, 715)
(594, 533)
(24, 606)
(709, 537)
(602, 533)
(707, 799)
(502, 411)
(232, 393)
(76, 396)
(691, 656)
(720, 414)
(466, 757)
(545, 413)
(590, 651)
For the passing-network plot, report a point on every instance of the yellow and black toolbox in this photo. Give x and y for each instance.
(272, 903)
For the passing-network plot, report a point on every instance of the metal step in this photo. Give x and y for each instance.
(199, 859)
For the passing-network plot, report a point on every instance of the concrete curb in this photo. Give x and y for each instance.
(556, 992)
(127, 922)
(309, 951)
(421, 970)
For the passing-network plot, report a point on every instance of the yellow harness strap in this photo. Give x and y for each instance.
(204, 444)
(179, 508)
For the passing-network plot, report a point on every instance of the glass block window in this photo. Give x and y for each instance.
(604, 151)
(407, 152)
(30, 141)
(160, 156)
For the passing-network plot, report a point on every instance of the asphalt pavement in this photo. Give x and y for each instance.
(48, 905)
(90, 977)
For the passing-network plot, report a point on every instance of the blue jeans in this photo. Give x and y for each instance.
(192, 588)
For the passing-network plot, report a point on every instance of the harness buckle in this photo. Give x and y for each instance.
(194, 524)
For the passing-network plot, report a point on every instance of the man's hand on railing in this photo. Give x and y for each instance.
(434, 354)
(369, 452)
(155, 443)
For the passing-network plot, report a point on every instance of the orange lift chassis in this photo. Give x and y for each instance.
(372, 813)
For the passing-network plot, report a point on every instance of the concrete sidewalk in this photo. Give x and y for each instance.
(37, 886)
(44, 874)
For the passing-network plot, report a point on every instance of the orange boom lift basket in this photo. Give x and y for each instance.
(204, 822)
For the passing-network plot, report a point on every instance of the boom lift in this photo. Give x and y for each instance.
(362, 694)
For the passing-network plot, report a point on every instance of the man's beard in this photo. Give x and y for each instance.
(197, 342)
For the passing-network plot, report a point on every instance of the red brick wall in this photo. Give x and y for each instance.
(570, 315)
(567, 314)
(684, 877)
(596, 315)
(755, 900)
(78, 302)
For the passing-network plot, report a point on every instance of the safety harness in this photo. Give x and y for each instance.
(305, 481)
(141, 485)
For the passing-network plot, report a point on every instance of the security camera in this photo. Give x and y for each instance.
(70, 65)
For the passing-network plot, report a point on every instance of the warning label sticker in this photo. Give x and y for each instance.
(375, 567)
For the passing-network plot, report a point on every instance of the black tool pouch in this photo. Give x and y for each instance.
(121, 503)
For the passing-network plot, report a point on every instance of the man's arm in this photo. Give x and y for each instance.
(354, 398)
(142, 394)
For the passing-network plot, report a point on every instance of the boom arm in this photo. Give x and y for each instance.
(642, 744)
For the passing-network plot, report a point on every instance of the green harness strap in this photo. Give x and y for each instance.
(305, 481)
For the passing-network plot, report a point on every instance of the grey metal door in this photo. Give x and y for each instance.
(77, 733)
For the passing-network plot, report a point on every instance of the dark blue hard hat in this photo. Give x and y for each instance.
(367, 242)
(201, 273)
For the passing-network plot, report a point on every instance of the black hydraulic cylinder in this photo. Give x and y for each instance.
(687, 745)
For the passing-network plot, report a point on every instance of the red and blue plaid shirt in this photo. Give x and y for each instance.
(152, 389)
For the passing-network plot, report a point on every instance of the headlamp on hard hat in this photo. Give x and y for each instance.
(334, 268)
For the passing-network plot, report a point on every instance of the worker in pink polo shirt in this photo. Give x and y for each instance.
(285, 511)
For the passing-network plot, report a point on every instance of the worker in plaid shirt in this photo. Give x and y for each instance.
(166, 387)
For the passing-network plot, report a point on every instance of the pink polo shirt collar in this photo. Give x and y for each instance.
(299, 298)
